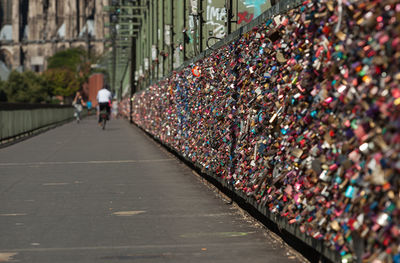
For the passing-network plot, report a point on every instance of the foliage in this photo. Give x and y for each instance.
(27, 87)
(71, 59)
(3, 95)
(61, 82)
(67, 71)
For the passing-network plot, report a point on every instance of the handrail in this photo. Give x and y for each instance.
(19, 120)
(27, 106)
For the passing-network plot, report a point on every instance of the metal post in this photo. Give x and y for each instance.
(172, 35)
(114, 65)
(163, 34)
(195, 28)
(184, 33)
(179, 19)
(229, 10)
(122, 81)
(132, 78)
(154, 37)
(149, 39)
(157, 40)
(200, 12)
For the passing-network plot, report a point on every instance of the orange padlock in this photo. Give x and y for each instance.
(196, 71)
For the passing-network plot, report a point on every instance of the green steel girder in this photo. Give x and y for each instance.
(128, 29)
(123, 45)
(128, 34)
(131, 16)
(124, 33)
(133, 7)
(130, 23)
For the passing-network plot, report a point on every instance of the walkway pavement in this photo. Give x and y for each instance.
(80, 194)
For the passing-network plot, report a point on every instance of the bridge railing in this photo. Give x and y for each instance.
(19, 120)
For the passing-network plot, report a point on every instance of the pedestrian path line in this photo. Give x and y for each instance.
(137, 247)
(88, 162)
(15, 214)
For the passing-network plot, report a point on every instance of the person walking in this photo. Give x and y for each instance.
(89, 106)
(78, 104)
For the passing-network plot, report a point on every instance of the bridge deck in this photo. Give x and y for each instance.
(80, 194)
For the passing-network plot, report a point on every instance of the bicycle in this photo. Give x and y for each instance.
(103, 118)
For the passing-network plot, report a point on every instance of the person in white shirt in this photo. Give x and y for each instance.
(104, 98)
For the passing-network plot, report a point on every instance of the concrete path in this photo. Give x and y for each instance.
(80, 194)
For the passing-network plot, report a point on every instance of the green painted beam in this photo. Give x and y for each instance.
(133, 7)
(129, 29)
(132, 30)
(130, 16)
(129, 23)
(127, 34)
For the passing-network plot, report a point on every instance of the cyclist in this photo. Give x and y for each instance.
(104, 98)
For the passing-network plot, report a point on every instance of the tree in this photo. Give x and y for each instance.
(68, 59)
(67, 71)
(27, 87)
(61, 82)
(3, 95)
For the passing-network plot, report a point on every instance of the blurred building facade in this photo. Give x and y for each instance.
(33, 30)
